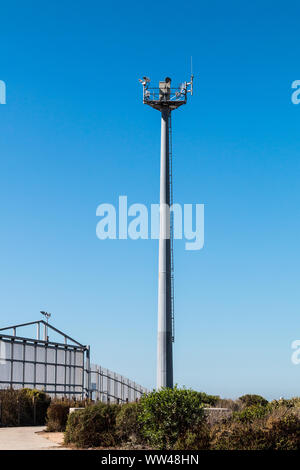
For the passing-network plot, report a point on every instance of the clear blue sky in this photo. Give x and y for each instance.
(74, 133)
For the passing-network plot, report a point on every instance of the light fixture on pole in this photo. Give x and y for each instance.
(47, 315)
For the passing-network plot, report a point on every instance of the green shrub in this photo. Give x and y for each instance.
(249, 400)
(57, 416)
(23, 407)
(10, 408)
(208, 400)
(288, 403)
(34, 394)
(127, 424)
(251, 413)
(168, 414)
(95, 426)
(295, 401)
(31, 398)
(73, 427)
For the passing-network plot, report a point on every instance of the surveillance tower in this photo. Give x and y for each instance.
(165, 99)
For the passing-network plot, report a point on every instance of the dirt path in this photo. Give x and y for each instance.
(29, 438)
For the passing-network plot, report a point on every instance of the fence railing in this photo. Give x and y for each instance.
(109, 386)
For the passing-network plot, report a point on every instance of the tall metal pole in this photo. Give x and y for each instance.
(165, 100)
(164, 339)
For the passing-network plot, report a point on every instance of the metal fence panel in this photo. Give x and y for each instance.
(109, 386)
(61, 370)
(58, 369)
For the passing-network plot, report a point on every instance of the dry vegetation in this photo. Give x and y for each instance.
(176, 419)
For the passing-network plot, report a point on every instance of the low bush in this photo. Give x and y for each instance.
(167, 414)
(57, 416)
(249, 400)
(37, 404)
(58, 411)
(277, 430)
(128, 427)
(23, 407)
(251, 413)
(284, 431)
(235, 435)
(288, 403)
(95, 426)
(199, 439)
(208, 400)
(73, 428)
(176, 419)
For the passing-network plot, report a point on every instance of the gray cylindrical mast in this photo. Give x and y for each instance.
(165, 99)
(164, 340)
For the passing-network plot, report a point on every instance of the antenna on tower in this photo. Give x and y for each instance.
(192, 78)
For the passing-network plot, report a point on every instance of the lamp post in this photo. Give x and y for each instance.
(47, 316)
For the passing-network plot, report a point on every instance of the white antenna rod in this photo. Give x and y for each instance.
(192, 75)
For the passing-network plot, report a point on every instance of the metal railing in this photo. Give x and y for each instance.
(109, 386)
(155, 94)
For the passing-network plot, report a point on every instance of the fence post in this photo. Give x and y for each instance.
(19, 411)
(88, 367)
(34, 410)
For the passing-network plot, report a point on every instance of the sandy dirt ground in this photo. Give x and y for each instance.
(30, 438)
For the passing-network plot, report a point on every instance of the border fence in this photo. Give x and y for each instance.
(109, 386)
(60, 368)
